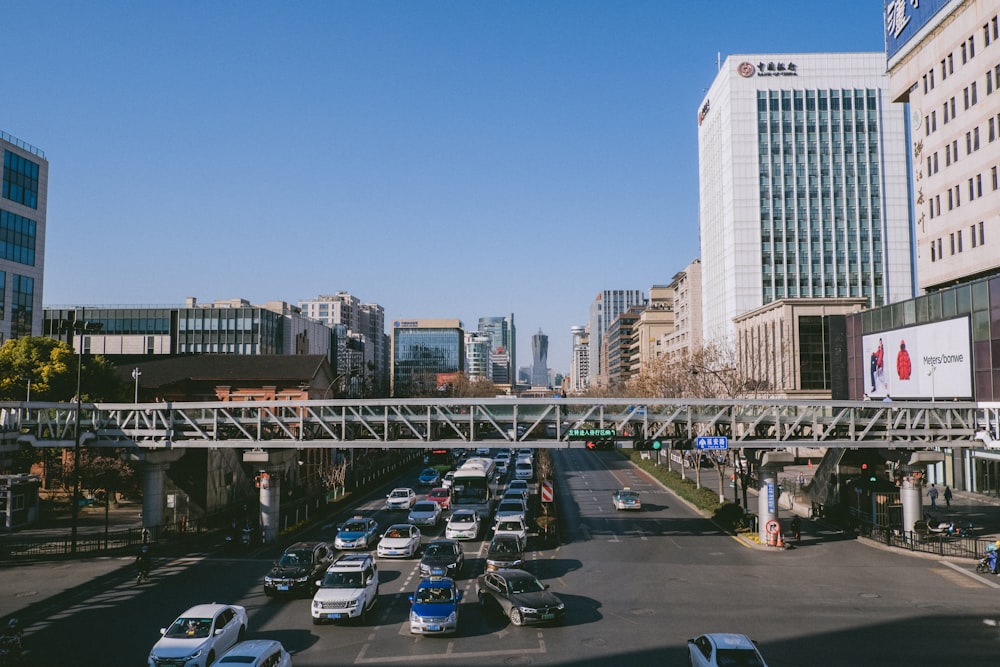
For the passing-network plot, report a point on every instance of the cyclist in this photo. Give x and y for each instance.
(143, 563)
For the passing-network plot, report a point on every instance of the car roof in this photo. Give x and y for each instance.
(401, 488)
(726, 640)
(437, 491)
(463, 512)
(427, 582)
(252, 647)
(505, 538)
(304, 546)
(209, 609)
(513, 573)
(442, 540)
(351, 560)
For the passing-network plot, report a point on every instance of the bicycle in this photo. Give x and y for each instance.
(142, 576)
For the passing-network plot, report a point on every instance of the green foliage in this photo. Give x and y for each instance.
(704, 499)
(51, 366)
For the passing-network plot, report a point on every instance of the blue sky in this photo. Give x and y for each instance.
(443, 159)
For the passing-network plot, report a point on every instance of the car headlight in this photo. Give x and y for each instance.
(302, 580)
(414, 617)
(268, 579)
(560, 606)
(353, 603)
(529, 610)
(453, 617)
(317, 604)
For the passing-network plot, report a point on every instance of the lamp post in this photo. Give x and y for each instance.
(135, 376)
(79, 327)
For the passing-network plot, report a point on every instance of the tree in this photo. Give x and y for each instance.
(51, 367)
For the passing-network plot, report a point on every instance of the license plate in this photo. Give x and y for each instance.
(335, 616)
(434, 628)
(548, 617)
(437, 571)
(283, 588)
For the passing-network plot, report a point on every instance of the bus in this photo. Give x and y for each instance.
(440, 457)
(473, 487)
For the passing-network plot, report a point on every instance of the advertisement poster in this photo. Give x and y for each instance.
(929, 361)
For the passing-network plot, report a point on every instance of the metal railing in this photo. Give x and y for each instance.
(932, 543)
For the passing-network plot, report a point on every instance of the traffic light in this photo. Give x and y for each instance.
(655, 445)
(640, 444)
(868, 473)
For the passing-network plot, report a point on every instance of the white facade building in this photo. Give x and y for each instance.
(803, 185)
(944, 60)
(579, 373)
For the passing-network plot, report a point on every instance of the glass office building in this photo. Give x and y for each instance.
(422, 352)
(804, 189)
(23, 210)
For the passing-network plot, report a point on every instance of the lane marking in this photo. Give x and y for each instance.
(975, 576)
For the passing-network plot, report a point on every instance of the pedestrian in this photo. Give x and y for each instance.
(932, 493)
(947, 495)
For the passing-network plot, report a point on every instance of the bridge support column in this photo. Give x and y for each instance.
(911, 498)
(767, 501)
(154, 467)
(270, 505)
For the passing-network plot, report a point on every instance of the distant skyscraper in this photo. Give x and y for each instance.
(477, 355)
(502, 335)
(365, 324)
(606, 306)
(23, 211)
(540, 357)
(804, 190)
(580, 368)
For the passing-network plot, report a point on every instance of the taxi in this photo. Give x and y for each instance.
(358, 532)
(626, 499)
(434, 607)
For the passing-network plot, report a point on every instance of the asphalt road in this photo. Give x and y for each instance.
(637, 586)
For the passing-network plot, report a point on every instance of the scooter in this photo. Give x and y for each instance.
(988, 563)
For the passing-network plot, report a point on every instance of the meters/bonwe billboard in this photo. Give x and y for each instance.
(928, 361)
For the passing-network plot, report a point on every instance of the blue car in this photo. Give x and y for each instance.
(434, 607)
(357, 533)
(429, 477)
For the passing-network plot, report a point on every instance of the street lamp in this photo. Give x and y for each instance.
(135, 376)
(79, 327)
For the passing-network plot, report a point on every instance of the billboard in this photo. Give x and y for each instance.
(928, 361)
(904, 18)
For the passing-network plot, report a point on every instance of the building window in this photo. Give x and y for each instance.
(973, 94)
(975, 138)
(22, 306)
(952, 106)
(945, 112)
(979, 185)
(992, 130)
(934, 121)
(972, 47)
(951, 200)
(951, 63)
(972, 191)
(965, 96)
(20, 180)
(933, 254)
(993, 175)
(17, 238)
(982, 237)
(951, 240)
(989, 81)
(972, 233)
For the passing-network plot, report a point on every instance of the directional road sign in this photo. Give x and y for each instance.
(712, 442)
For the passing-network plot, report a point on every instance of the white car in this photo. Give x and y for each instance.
(446, 481)
(510, 508)
(401, 540)
(521, 485)
(400, 499)
(257, 653)
(200, 635)
(462, 525)
(724, 648)
(425, 513)
(513, 526)
(348, 590)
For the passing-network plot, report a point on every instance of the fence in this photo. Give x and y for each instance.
(181, 536)
(939, 544)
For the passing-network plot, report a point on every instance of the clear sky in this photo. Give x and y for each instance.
(444, 159)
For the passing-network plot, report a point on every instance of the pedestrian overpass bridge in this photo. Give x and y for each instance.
(536, 422)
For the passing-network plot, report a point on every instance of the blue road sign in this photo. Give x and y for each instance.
(712, 442)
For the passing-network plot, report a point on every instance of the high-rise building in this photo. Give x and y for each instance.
(23, 211)
(579, 372)
(539, 360)
(424, 352)
(606, 306)
(686, 336)
(803, 185)
(944, 61)
(477, 355)
(655, 321)
(619, 344)
(503, 357)
(367, 344)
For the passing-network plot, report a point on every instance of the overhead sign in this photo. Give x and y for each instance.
(712, 442)
(588, 433)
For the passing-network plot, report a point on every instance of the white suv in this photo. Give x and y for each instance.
(348, 589)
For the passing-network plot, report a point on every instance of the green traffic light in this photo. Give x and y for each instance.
(656, 444)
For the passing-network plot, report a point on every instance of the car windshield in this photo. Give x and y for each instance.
(342, 580)
(628, 495)
(397, 532)
(462, 518)
(430, 471)
(525, 585)
(737, 657)
(504, 547)
(510, 525)
(435, 594)
(295, 558)
(433, 549)
(510, 507)
(398, 494)
(424, 507)
(190, 628)
(353, 527)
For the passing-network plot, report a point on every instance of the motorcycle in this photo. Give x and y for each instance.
(987, 564)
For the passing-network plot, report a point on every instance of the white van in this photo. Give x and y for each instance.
(523, 469)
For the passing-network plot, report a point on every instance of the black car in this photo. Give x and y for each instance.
(298, 569)
(519, 596)
(505, 552)
(442, 558)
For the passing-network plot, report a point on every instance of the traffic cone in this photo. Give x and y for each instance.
(781, 542)
(810, 464)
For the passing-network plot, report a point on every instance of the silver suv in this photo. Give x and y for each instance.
(348, 589)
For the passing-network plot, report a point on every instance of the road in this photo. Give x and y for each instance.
(636, 586)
